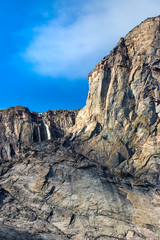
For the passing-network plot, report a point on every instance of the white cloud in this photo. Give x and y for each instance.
(72, 43)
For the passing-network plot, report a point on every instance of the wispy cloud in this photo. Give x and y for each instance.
(81, 34)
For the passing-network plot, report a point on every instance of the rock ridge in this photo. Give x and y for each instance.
(97, 178)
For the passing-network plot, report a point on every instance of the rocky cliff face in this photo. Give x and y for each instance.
(121, 117)
(19, 126)
(91, 174)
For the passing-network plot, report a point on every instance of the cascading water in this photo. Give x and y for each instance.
(48, 133)
(47, 129)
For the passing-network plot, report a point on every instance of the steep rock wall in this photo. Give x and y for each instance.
(120, 121)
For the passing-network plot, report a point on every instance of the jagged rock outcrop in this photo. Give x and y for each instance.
(91, 174)
(18, 126)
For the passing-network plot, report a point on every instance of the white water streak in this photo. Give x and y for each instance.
(47, 129)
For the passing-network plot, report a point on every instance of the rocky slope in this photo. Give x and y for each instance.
(91, 174)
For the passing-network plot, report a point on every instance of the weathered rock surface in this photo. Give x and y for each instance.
(120, 121)
(18, 126)
(97, 178)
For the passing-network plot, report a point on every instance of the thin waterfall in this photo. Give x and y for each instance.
(47, 129)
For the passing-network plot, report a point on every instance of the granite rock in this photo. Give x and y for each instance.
(89, 174)
(120, 121)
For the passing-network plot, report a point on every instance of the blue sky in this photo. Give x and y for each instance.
(48, 47)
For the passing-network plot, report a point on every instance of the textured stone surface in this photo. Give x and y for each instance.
(18, 126)
(97, 178)
(121, 117)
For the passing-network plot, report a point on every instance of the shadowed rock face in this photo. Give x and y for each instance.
(97, 178)
(19, 126)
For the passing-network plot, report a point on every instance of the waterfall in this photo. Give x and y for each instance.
(41, 119)
(47, 129)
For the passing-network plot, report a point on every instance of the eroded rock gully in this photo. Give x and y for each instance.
(97, 178)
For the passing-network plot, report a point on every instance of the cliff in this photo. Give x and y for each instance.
(89, 174)
(120, 121)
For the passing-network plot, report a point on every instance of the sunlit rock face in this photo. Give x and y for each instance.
(97, 178)
(121, 116)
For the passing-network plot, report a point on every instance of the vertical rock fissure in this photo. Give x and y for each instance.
(105, 85)
(39, 133)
